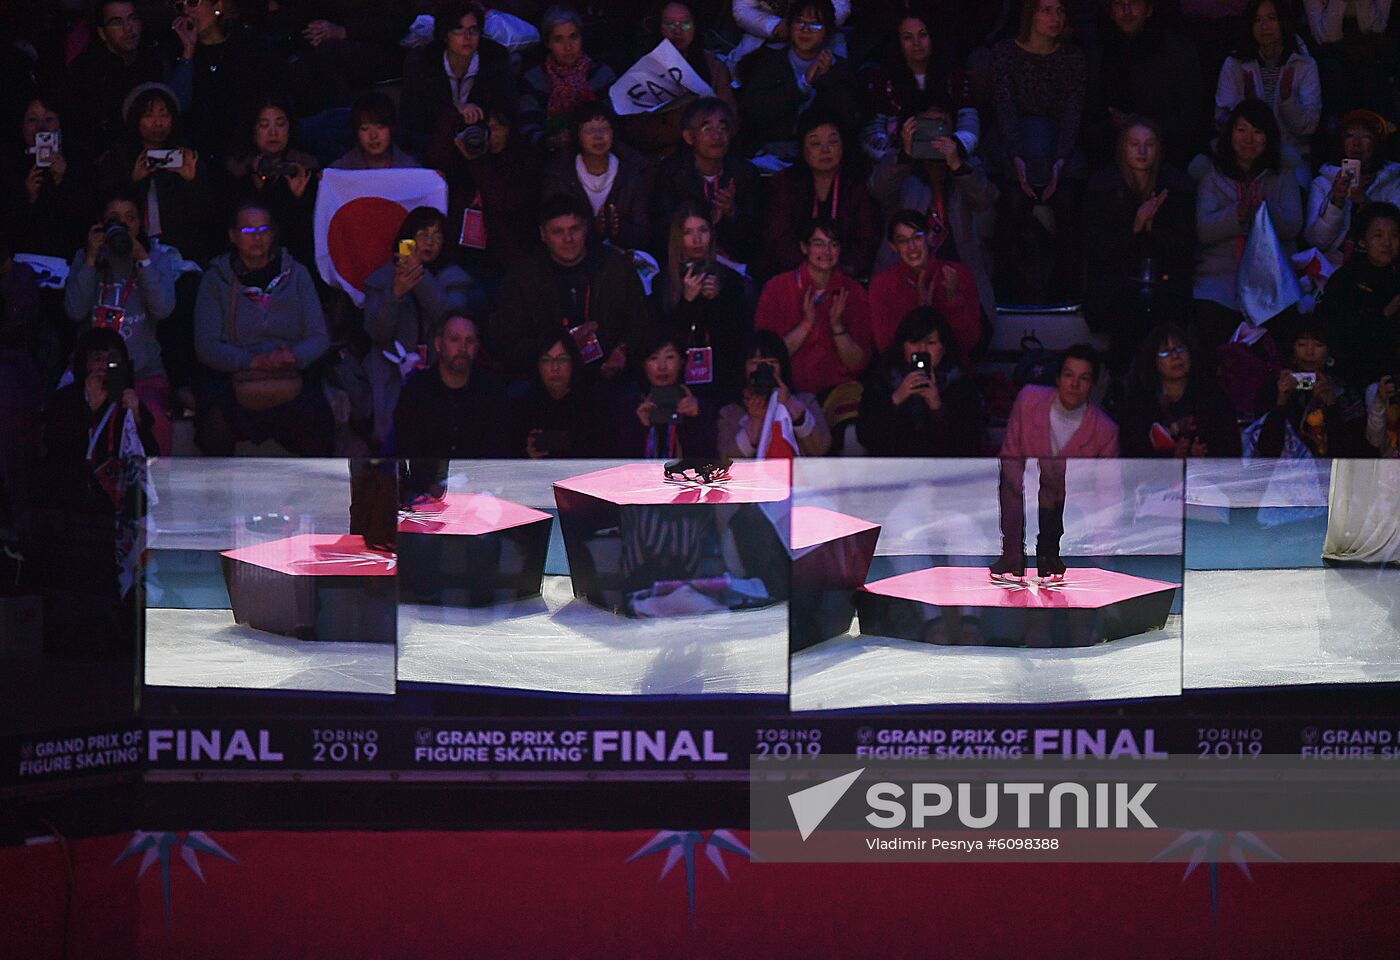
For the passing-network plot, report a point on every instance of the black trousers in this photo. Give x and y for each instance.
(1050, 502)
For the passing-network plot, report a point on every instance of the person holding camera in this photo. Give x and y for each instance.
(404, 302)
(934, 176)
(259, 333)
(40, 193)
(153, 160)
(770, 420)
(1362, 175)
(1311, 410)
(558, 416)
(820, 184)
(456, 74)
(664, 419)
(706, 299)
(84, 421)
(920, 401)
(919, 69)
(122, 282)
(273, 172)
(611, 177)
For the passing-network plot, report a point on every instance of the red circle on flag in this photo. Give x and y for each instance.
(360, 237)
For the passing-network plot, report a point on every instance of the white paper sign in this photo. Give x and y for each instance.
(656, 81)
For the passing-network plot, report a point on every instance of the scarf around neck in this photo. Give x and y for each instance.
(568, 86)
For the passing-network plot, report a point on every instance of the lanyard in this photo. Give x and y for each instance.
(835, 197)
(937, 222)
(107, 284)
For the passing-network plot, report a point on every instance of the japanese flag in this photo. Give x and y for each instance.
(358, 214)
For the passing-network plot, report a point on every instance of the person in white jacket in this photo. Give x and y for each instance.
(1333, 196)
(1274, 66)
(763, 22)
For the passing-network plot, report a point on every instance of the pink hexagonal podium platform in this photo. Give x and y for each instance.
(314, 587)
(471, 550)
(641, 545)
(957, 605)
(831, 554)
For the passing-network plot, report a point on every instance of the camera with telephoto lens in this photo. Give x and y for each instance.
(270, 168)
(116, 236)
(764, 379)
(474, 137)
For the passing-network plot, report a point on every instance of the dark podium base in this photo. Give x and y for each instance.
(641, 546)
(471, 550)
(961, 605)
(831, 554)
(314, 587)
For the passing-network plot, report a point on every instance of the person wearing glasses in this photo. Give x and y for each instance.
(1171, 409)
(454, 75)
(707, 172)
(560, 415)
(763, 23)
(259, 332)
(780, 84)
(119, 58)
(607, 174)
(822, 314)
(678, 23)
(918, 278)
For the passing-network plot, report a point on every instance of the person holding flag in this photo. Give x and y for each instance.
(770, 421)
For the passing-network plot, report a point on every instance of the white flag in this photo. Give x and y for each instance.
(656, 81)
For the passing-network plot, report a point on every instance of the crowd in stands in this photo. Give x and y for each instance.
(804, 258)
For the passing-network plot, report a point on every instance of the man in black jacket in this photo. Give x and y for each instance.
(453, 410)
(575, 284)
(713, 176)
(95, 85)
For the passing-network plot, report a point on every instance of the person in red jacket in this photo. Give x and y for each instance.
(919, 279)
(1050, 424)
(822, 315)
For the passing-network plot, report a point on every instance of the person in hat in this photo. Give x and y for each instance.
(153, 160)
(1336, 192)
